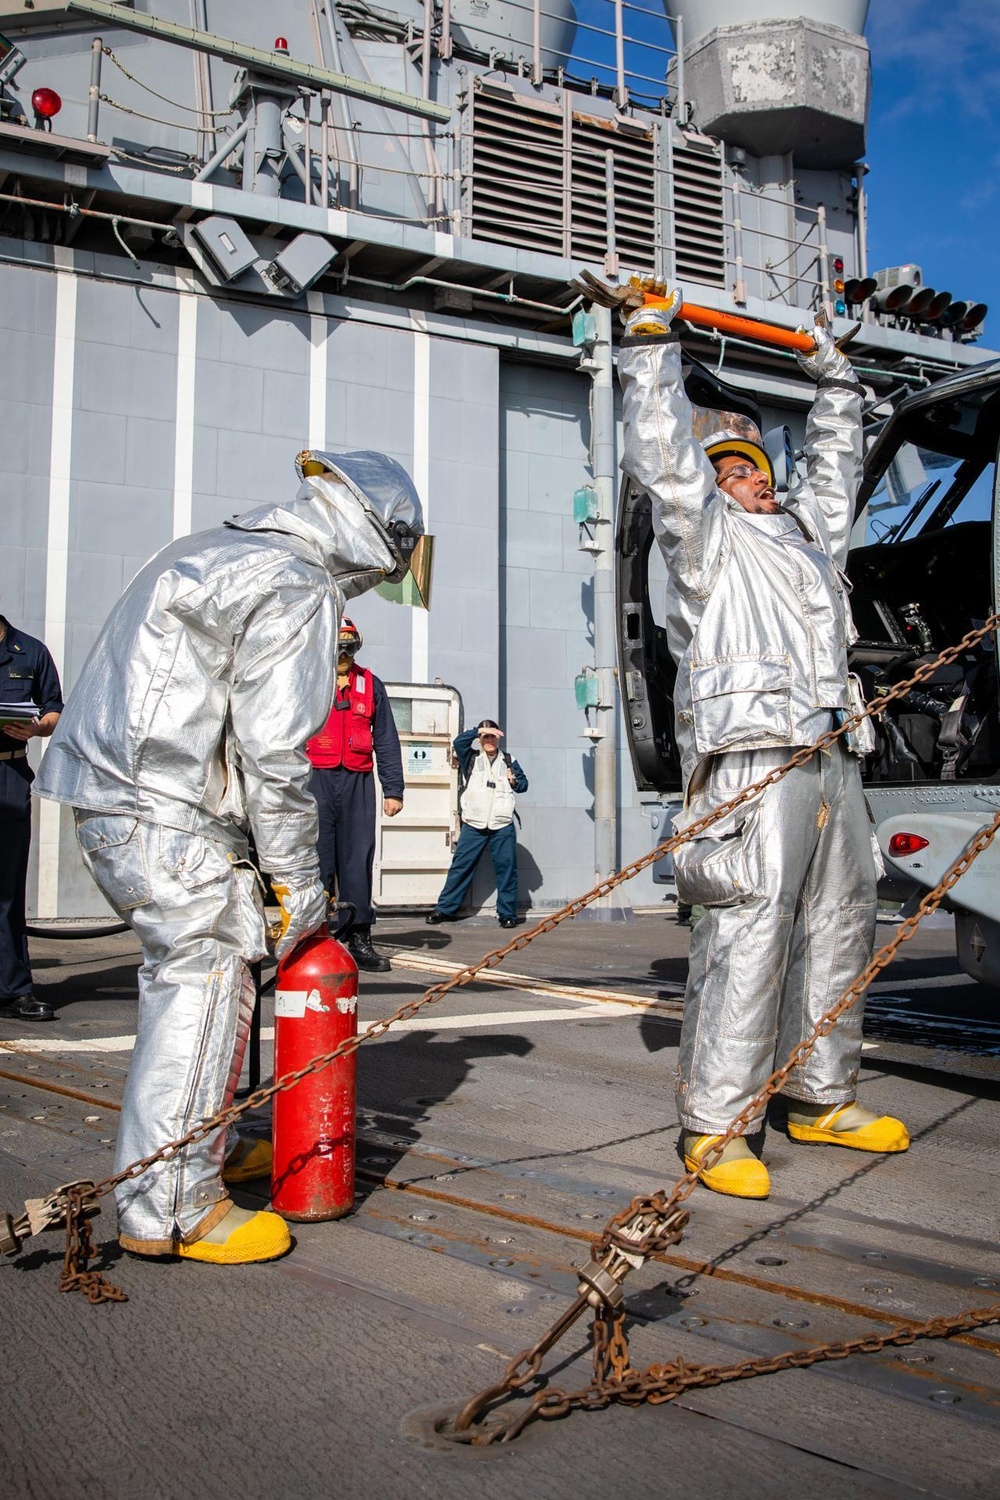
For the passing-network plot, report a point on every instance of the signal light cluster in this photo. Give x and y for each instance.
(848, 292)
(899, 294)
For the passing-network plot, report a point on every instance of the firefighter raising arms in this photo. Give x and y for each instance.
(759, 624)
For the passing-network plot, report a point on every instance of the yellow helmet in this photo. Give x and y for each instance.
(740, 444)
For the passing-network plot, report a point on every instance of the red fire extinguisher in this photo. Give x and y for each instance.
(315, 1008)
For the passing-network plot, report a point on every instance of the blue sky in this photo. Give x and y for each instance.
(934, 145)
(933, 140)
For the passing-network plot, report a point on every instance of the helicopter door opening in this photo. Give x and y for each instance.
(646, 670)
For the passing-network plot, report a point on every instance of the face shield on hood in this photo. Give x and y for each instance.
(392, 505)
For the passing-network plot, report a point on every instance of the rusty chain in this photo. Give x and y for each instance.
(75, 1276)
(661, 1210)
(614, 1379)
(667, 1221)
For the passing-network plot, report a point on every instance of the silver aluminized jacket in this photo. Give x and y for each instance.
(759, 624)
(757, 616)
(185, 731)
(214, 668)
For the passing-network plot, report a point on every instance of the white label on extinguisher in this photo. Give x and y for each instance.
(346, 1004)
(290, 1002)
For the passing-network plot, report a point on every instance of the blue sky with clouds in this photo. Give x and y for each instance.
(934, 145)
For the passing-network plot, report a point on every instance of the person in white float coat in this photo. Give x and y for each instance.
(489, 779)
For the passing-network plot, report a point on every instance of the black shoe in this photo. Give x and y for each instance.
(26, 1008)
(511, 921)
(434, 917)
(358, 943)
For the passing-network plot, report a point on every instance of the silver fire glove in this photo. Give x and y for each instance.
(303, 903)
(652, 319)
(826, 362)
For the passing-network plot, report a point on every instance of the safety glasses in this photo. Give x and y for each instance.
(744, 471)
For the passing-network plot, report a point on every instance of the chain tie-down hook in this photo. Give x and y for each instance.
(70, 1206)
(635, 1230)
(648, 1228)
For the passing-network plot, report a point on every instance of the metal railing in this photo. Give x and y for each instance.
(612, 43)
(633, 63)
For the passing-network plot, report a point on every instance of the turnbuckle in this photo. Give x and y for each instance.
(601, 1279)
(43, 1213)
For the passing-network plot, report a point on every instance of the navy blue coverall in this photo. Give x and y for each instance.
(27, 673)
(346, 802)
(473, 842)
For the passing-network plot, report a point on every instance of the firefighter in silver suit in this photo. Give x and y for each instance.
(185, 733)
(759, 623)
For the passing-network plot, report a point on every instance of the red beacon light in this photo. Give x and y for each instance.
(903, 844)
(281, 45)
(46, 103)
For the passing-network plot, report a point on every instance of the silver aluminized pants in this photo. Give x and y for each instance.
(788, 884)
(199, 918)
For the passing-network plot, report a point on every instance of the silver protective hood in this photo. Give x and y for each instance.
(380, 483)
(389, 500)
(334, 520)
(213, 670)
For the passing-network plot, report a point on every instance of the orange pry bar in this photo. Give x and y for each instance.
(747, 328)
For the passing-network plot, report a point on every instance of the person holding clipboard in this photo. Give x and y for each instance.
(30, 705)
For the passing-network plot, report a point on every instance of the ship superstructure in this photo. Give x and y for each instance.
(226, 237)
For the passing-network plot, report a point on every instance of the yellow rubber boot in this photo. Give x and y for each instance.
(737, 1172)
(239, 1238)
(247, 1161)
(846, 1125)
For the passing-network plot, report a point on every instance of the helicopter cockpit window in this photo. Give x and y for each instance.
(924, 580)
(925, 490)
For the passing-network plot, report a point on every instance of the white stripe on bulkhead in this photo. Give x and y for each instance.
(319, 331)
(420, 618)
(57, 544)
(187, 359)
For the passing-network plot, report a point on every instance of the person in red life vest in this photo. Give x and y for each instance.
(359, 732)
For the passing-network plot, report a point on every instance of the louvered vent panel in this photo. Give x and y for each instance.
(699, 228)
(635, 219)
(517, 174)
(518, 192)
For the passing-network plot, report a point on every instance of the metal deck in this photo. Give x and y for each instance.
(498, 1131)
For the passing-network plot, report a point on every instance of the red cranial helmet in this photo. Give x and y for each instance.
(349, 641)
